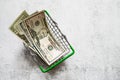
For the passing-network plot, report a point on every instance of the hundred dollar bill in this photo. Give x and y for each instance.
(16, 28)
(44, 43)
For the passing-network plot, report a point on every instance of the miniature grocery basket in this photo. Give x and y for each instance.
(61, 37)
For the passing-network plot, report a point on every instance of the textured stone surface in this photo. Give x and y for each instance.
(91, 26)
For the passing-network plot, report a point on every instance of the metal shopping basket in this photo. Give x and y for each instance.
(56, 32)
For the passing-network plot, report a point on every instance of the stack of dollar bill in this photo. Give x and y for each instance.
(37, 31)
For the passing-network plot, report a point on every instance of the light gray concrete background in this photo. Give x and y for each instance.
(91, 26)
